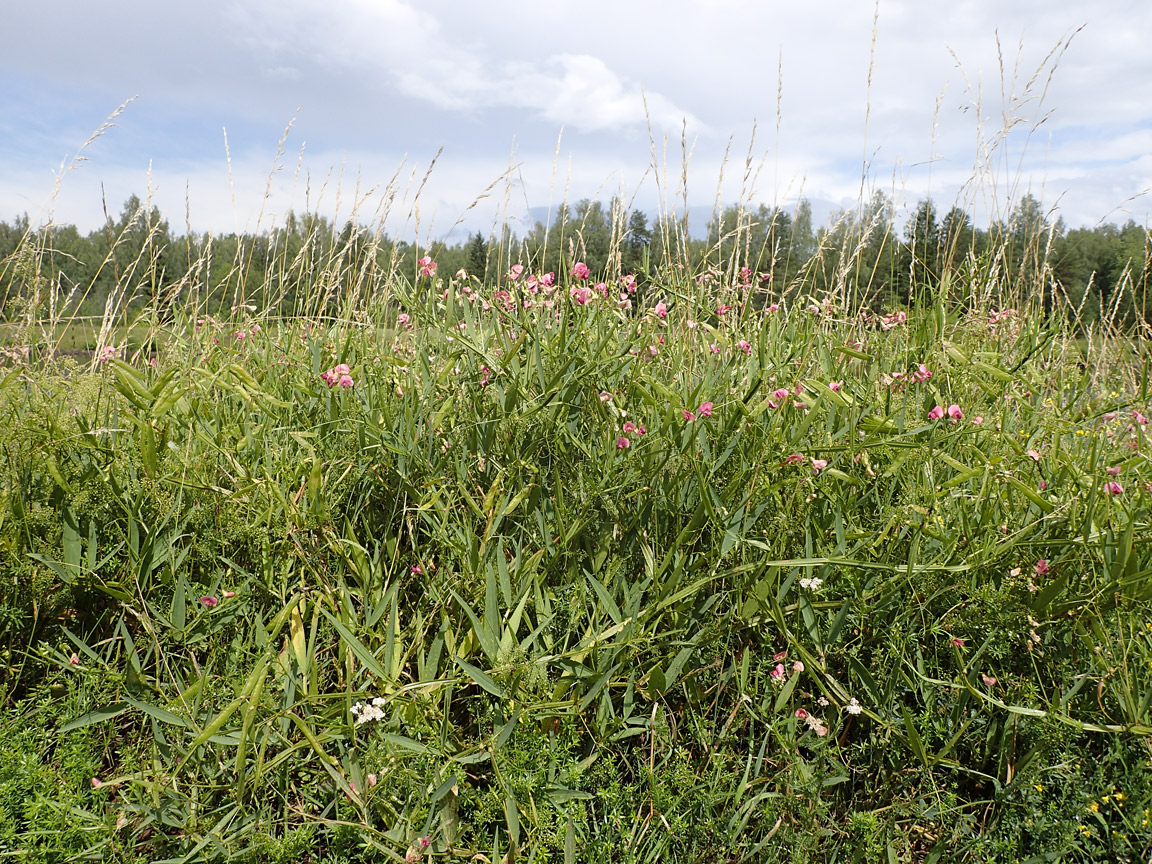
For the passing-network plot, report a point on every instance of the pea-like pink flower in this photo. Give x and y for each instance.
(515, 271)
(629, 427)
(622, 443)
(581, 294)
(954, 413)
(922, 374)
(580, 270)
(404, 320)
(688, 415)
(1042, 568)
(778, 672)
(936, 413)
(835, 386)
(209, 602)
(780, 394)
(1033, 455)
(705, 409)
(794, 459)
(715, 348)
(1113, 488)
(661, 309)
(427, 266)
(1115, 469)
(819, 465)
(744, 346)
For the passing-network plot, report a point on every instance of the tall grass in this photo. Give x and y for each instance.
(566, 572)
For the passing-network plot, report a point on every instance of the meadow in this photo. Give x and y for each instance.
(667, 564)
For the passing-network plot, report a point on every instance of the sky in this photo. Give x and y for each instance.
(440, 117)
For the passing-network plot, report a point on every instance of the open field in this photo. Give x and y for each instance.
(577, 571)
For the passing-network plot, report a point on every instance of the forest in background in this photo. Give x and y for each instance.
(1102, 272)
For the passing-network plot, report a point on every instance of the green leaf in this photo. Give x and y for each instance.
(97, 716)
(481, 678)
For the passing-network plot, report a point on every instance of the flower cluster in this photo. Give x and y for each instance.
(339, 375)
(366, 712)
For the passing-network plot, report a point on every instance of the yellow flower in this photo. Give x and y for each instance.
(1094, 806)
(1120, 797)
(1039, 788)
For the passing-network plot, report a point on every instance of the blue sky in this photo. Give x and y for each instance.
(581, 99)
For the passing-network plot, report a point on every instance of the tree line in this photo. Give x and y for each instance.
(1101, 271)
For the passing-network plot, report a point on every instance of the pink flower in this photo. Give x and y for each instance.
(341, 369)
(107, 353)
(835, 386)
(640, 430)
(798, 666)
(819, 465)
(1115, 469)
(629, 283)
(515, 271)
(977, 421)
(954, 413)
(427, 266)
(794, 459)
(780, 394)
(227, 595)
(74, 659)
(403, 320)
(705, 409)
(580, 270)
(801, 714)
(778, 672)
(957, 643)
(989, 680)
(661, 309)
(1139, 418)
(715, 348)
(209, 602)
(581, 294)
(96, 783)
(346, 381)
(922, 374)
(1042, 568)
(820, 729)
(417, 570)
(629, 427)
(548, 280)
(936, 413)
(1113, 488)
(622, 443)
(688, 415)
(605, 396)
(723, 309)
(372, 780)
(773, 307)
(1033, 455)
(779, 655)
(601, 288)
(744, 346)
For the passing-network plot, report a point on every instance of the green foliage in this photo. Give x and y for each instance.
(557, 577)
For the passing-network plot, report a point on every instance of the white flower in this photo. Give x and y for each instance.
(812, 584)
(854, 707)
(366, 713)
(822, 702)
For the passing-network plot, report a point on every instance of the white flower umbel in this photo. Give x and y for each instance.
(366, 712)
(854, 707)
(812, 584)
